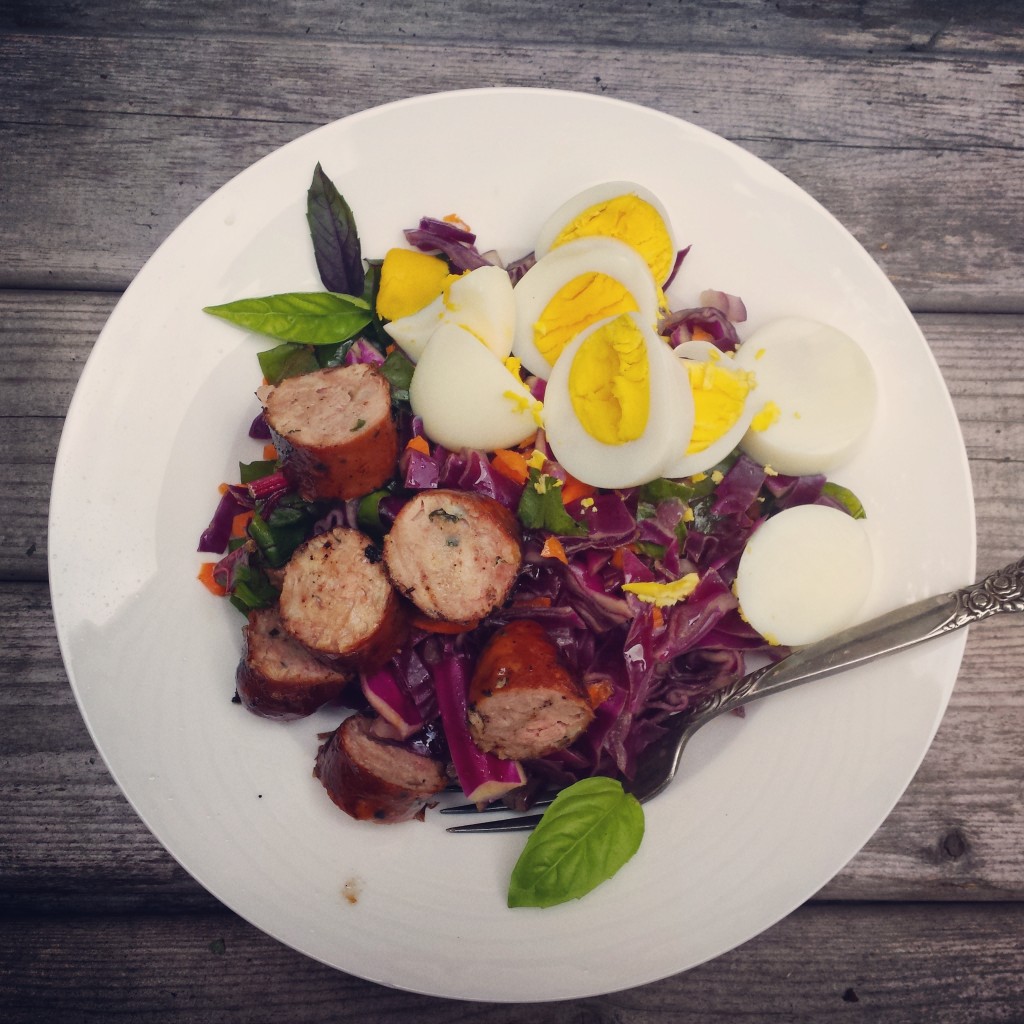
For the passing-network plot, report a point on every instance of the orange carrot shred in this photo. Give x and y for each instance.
(240, 523)
(657, 617)
(205, 576)
(553, 549)
(222, 488)
(269, 453)
(511, 464)
(617, 556)
(699, 334)
(440, 626)
(418, 444)
(534, 602)
(598, 692)
(573, 489)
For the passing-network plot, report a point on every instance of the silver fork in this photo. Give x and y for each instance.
(1001, 591)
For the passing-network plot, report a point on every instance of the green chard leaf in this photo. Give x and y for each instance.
(590, 830)
(398, 369)
(541, 508)
(308, 318)
(332, 228)
(846, 498)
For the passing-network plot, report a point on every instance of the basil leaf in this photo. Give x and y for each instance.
(249, 471)
(398, 369)
(589, 831)
(332, 228)
(541, 508)
(846, 498)
(287, 360)
(309, 318)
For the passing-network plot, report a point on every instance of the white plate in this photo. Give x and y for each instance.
(767, 808)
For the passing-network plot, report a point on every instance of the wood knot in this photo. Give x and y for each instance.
(953, 844)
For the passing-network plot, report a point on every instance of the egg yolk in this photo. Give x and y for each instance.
(609, 383)
(576, 305)
(409, 281)
(631, 220)
(718, 399)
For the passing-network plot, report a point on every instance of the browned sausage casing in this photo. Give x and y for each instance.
(334, 430)
(337, 602)
(523, 701)
(454, 554)
(373, 780)
(277, 677)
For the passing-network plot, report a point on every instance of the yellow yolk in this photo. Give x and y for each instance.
(631, 220)
(575, 306)
(609, 383)
(765, 417)
(663, 595)
(409, 281)
(719, 396)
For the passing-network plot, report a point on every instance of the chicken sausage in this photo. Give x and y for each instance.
(372, 779)
(454, 554)
(337, 602)
(277, 677)
(334, 431)
(523, 701)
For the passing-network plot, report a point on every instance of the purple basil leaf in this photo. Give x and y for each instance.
(332, 228)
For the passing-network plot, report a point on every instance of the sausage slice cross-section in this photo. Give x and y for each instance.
(372, 779)
(454, 554)
(336, 600)
(334, 430)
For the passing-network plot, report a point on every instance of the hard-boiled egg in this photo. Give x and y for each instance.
(467, 397)
(480, 301)
(613, 411)
(409, 280)
(616, 209)
(817, 393)
(723, 398)
(804, 574)
(572, 287)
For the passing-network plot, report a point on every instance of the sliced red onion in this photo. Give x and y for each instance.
(731, 305)
(392, 702)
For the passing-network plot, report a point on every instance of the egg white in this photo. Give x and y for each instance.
(633, 462)
(548, 275)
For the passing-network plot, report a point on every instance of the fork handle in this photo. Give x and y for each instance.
(1001, 591)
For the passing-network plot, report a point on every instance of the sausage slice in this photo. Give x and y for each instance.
(374, 780)
(523, 701)
(454, 554)
(334, 430)
(277, 677)
(336, 600)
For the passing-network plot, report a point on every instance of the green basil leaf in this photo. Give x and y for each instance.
(332, 228)
(541, 508)
(846, 498)
(589, 831)
(249, 471)
(398, 369)
(309, 318)
(287, 360)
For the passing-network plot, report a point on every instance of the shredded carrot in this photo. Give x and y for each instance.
(657, 617)
(511, 464)
(222, 488)
(205, 576)
(617, 556)
(598, 692)
(388, 349)
(269, 453)
(454, 218)
(699, 334)
(240, 523)
(553, 549)
(573, 489)
(440, 626)
(534, 602)
(418, 444)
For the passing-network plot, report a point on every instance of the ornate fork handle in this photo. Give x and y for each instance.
(1001, 591)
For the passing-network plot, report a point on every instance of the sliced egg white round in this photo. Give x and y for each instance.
(816, 394)
(613, 411)
(805, 574)
(467, 397)
(573, 287)
(724, 398)
(615, 209)
(481, 302)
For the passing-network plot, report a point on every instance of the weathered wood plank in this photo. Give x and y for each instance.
(796, 25)
(943, 964)
(958, 832)
(877, 142)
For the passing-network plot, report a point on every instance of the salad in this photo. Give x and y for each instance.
(515, 515)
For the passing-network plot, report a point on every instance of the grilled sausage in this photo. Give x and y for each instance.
(334, 430)
(372, 779)
(277, 677)
(336, 600)
(455, 555)
(523, 701)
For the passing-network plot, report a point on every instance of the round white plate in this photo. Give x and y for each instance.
(768, 808)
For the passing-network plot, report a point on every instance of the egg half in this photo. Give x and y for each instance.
(805, 574)
(616, 209)
(573, 287)
(469, 398)
(613, 411)
(480, 302)
(724, 399)
(818, 395)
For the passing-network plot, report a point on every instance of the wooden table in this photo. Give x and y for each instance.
(905, 119)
